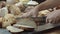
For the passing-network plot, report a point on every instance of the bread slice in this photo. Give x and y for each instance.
(13, 29)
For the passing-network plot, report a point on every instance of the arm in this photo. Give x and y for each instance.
(44, 5)
(47, 4)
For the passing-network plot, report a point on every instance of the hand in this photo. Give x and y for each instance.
(53, 17)
(32, 13)
(2, 4)
(29, 8)
(27, 14)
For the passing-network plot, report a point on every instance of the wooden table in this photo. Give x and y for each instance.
(55, 30)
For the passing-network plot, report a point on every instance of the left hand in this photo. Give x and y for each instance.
(32, 13)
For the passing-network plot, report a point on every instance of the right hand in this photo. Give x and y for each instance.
(53, 17)
(2, 4)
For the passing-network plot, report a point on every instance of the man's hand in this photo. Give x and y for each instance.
(2, 4)
(53, 17)
(32, 13)
(45, 5)
(27, 14)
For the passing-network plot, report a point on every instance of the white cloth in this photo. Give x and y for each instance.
(3, 11)
(10, 1)
(18, 4)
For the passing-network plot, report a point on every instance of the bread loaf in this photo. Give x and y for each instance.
(14, 10)
(8, 20)
(43, 13)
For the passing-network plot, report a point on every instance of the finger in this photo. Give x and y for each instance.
(47, 20)
(54, 21)
(25, 14)
(50, 20)
(57, 20)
